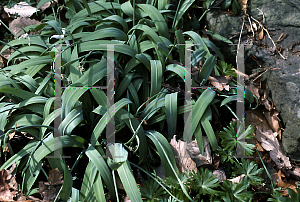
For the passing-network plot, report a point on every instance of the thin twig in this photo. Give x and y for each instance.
(250, 25)
(262, 14)
(268, 35)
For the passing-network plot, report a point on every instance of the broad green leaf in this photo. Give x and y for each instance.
(95, 7)
(198, 41)
(149, 32)
(181, 9)
(120, 20)
(34, 40)
(119, 155)
(71, 121)
(4, 111)
(31, 62)
(165, 152)
(129, 182)
(198, 110)
(28, 148)
(135, 127)
(197, 56)
(226, 4)
(105, 33)
(214, 48)
(156, 77)
(171, 112)
(99, 188)
(167, 157)
(102, 45)
(178, 69)
(236, 7)
(54, 144)
(103, 121)
(99, 96)
(25, 49)
(157, 17)
(87, 7)
(219, 37)
(102, 167)
(56, 26)
(162, 4)
(123, 85)
(206, 69)
(152, 108)
(208, 128)
(181, 47)
(88, 179)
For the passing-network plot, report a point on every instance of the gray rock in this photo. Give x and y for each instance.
(283, 83)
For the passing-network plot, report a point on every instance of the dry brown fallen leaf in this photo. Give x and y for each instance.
(295, 173)
(251, 86)
(273, 120)
(183, 159)
(55, 177)
(237, 179)
(6, 54)
(260, 33)
(290, 184)
(22, 22)
(270, 143)
(194, 151)
(22, 8)
(256, 118)
(220, 85)
(244, 6)
(5, 193)
(50, 191)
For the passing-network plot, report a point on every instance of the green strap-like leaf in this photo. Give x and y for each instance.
(157, 18)
(156, 77)
(103, 121)
(167, 157)
(129, 182)
(198, 109)
(102, 167)
(171, 112)
(181, 9)
(208, 128)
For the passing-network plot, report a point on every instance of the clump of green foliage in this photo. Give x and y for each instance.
(145, 38)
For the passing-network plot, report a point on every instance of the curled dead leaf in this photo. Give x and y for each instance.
(183, 159)
(194, 151)
(290, 184)
(244, 6)
(220, 82)
(55, 177)
(15, 25)
(260, 33)
(5, 193)
(273, 120)
(50, 191)
(270, 143)
(237, 179)
(22, 8)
